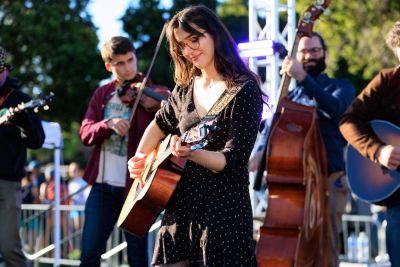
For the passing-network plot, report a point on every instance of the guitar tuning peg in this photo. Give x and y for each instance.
(46, 107)
(36, 109)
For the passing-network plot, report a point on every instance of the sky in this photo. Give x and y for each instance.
(106, 15)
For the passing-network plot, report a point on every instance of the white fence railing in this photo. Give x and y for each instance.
(38, 244)
(356, 226)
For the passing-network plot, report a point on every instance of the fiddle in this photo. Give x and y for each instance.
(151, 98)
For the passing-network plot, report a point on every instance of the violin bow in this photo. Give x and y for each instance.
(143, 83)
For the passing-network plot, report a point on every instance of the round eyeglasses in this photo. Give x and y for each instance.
(192, 42)
(312, 51)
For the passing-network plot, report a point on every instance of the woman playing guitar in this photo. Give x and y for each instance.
(208, 220)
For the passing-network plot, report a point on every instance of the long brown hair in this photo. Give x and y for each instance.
(227, 60)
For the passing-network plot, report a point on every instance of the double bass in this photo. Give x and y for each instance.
(295, 225)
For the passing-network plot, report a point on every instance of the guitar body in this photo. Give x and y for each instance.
(143, 205)
(367, 179)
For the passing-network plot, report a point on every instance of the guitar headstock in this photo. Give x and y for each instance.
(7, 114)
(312, 13)
(41, 102)
(304, 28)
(197, 137)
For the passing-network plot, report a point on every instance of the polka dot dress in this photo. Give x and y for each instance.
(208, 220)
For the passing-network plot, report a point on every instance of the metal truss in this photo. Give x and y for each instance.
(271, 20)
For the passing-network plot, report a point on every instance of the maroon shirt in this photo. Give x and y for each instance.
(94, 130)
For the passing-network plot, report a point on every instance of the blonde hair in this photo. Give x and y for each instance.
(393, 36)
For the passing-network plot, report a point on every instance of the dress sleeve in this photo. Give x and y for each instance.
(245, 117)
(167, 117)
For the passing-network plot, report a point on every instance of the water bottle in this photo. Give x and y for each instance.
(352, 247)
(362, 247)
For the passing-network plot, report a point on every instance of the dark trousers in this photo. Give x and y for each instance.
(101, 214)
(393, 234)
(10, 214)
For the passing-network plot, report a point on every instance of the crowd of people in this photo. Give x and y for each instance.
(208, 220)
(38, 185)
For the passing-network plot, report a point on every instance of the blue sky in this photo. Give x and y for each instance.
(106, 16)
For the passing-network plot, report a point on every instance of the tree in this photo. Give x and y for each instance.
(355, 34)
(144, 24)
(235, 15)
(181, 4)
(53, 47)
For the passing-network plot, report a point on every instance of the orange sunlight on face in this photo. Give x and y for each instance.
(197, 49)
(123, 67)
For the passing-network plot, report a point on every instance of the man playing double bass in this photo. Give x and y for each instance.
(331, 97)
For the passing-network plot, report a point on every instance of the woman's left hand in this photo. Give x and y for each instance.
(178, 149)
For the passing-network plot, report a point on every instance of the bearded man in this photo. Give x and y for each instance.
(331, 97)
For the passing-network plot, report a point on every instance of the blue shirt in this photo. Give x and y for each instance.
(331, 97)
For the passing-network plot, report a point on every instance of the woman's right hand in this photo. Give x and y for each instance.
(136, 166)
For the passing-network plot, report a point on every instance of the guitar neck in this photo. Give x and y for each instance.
(286, 79)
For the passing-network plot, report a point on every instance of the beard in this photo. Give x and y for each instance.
(316, 69)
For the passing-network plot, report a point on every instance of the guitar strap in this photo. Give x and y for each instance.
(3, 98)
(224, 100)
(215, 110)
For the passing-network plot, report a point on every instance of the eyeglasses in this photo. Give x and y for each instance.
(311, 51)
(193, 43)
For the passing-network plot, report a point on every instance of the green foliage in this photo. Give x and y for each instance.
(144, 26)
(53, 47)
(73, 149)
(355, 34)
(181, 4)
(235, 15)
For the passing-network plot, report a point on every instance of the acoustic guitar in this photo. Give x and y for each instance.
(368, 180)
(162, 172)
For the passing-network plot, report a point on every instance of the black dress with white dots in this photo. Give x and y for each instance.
(208, 220)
